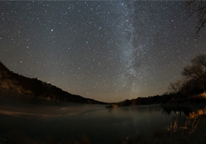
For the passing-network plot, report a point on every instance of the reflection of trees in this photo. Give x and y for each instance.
(176, 109)
(174, 124)
(192, 118)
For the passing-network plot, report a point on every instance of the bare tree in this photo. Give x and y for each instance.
(197, 70)
(198, 7)
(175, 87)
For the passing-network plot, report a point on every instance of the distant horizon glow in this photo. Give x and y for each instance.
(105, 50)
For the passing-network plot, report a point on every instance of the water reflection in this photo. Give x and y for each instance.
(184, 118)
(93, 123)
(81, 123)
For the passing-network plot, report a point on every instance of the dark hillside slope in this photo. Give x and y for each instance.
(32, 86)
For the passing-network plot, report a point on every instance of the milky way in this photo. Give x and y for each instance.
(105, 50)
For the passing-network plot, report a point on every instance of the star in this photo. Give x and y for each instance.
(104, 50)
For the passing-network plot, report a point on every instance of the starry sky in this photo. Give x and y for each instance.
(106, 50)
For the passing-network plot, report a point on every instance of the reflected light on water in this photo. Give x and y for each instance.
(192, 119)
(174, 125)
(86, 124)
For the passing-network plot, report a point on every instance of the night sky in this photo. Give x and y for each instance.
(105, 50)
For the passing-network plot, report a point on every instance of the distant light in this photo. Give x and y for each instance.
(52, 30)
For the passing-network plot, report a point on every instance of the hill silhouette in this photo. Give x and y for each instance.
(32, 86)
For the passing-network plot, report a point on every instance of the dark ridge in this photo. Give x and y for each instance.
(32, 86)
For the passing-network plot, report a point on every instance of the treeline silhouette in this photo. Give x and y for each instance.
(37, 88)
(188, 90)
(158, 99)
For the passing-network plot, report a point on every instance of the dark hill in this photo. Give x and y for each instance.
(32, 86)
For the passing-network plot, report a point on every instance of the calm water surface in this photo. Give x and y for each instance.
(84, 123)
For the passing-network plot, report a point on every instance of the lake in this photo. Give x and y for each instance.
(39, 122)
